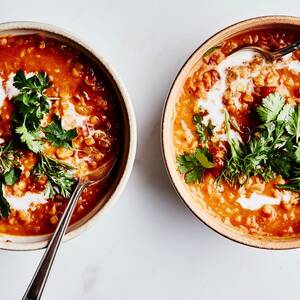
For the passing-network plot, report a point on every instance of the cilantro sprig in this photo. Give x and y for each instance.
(12, 176)
(32, 102)
(203, 132)
(36, 84)
(32, 105)
(60, 177)
(273, 148)
(58, 136)
(9, 174)
(32, 139)
(193, 165)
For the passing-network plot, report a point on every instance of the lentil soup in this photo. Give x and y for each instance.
(58, 121)
(235, 145)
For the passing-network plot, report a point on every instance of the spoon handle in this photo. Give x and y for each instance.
(286, 50)
(37, 284)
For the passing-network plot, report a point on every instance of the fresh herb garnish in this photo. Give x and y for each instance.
(194, 165)
(293, 124)
(60, 177)
(8, 158)
(12, 176)
(34, 85)
(270, 107)
(234, 165)
(200, 128)
(203, 131)
(32, 106)
(30, 138)
(58, 136)
(32, 102)
(273, 147)
(9, 172)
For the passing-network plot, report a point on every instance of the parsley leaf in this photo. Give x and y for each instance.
(204, 158)
(9, 172)
(32, 103)
(270, 108)
(60, 177)
(58, 136)
(8, 158)
(273, 147)
(203, 131)
(12, 176)
(200, 128)
(293, 126)
(234, 166)
(30, 138)
(194, 165)
(233, 143)
(35, 84)
(32, 106)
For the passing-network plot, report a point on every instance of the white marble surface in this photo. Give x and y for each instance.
(149, 246)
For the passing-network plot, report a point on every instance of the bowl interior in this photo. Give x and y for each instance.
(124, 162)
(197, 206)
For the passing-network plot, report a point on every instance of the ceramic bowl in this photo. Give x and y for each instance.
(124, 164)
(167, 133)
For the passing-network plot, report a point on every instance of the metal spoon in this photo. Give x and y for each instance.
(272, 55)
(37, 284)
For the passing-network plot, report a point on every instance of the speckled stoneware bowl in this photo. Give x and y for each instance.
(123, 166)
(167, 133)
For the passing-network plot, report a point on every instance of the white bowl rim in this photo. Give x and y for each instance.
(52, 29)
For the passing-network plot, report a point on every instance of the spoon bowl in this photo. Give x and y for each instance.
(271, 55)
(100, 173)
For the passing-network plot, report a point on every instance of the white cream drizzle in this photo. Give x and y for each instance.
(287, 62)
(11, 90)
(29, 200)
(213, 103)
(294, 66)
(72, 119)
(256, 201)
